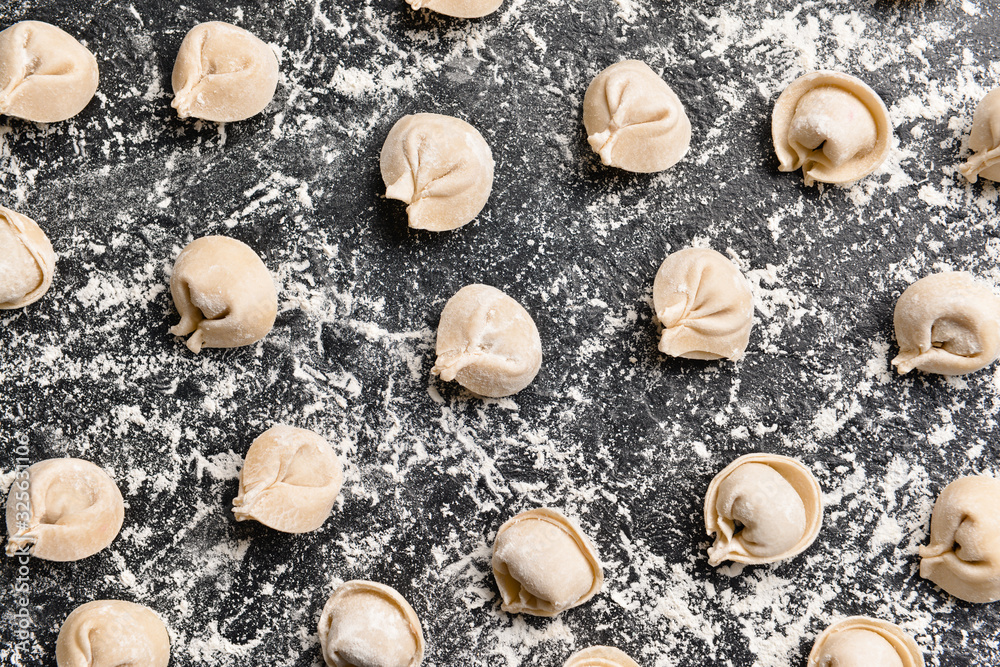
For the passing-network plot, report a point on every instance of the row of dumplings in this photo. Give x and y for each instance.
(946, 323)
(222, 73)
(762, 508)
(367, 624)
(831, 125)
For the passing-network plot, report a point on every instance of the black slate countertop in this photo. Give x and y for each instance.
(612, 432)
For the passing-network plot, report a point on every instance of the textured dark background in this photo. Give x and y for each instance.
(612, 432)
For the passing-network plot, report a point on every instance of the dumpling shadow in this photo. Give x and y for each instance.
(589, 167)
(762, 143)
(389, 220)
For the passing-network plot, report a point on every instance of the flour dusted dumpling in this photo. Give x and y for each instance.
(860, 641)
(487, 342)
(600, 656)
(74, 510)
(544, 564)
(704, 304)
(26, 260)
(290, 480)
(634, 120)
(365, 624)
(963, 556)
(984, 140)
(45, 74)
(465, 9)
(832, 126)
(223, 293)
(223, 73)
(947, 323)
(762, 508)
(113, 633)
(440, 166)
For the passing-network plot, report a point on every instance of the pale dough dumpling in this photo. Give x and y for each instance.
(113, 633)
(75, 510)
(963, 556)
(600, 656)
(860, 641)
(487, 342)
(365, 624)
(290, 480)
(45, 74)
(440, 166)
(634, 120)
(544, 564)
(762, 508)
(26, 260)
(704, 304)
(947, 323)
(224, 294)
(464, 9)
(832, 126)
(223, 73)
(984, 140)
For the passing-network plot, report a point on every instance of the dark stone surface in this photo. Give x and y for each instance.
(610, 431)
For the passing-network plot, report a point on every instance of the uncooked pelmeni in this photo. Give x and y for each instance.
(963, 556)
(544, 564)
(224, 294)
(984, 140)
(487, 342)
(289, 481)
(223, 73)
(832, 126)
(704, 304)
(365, 624)
(464, 9)
(600, 656)
(775, 499)
(634, 120)
(860, 641)
(45, 74)
(112, 633)
(74, 510)
(440, 167)
(947, 323)
(27, 260)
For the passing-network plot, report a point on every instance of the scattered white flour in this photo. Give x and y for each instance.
(619, 437)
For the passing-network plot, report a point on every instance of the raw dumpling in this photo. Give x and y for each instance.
(223, 73)
(45, 74)
(440, 166)
(947, 323)
(365, 624)
(600, 656)
(859, 641)
(832, 126)
(704, 304)
(290, 480)
(984, 140)
(112, 633)
(464, 9)
(634, 120)
(64, 509)
(544, 564)
(26, 260)
(487, 342)
(223, 293)
(963, 556)
(762, 508)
